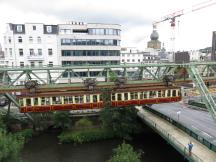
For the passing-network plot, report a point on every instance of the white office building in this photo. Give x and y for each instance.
(74, 43)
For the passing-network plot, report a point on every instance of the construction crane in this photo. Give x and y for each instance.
(172, 17)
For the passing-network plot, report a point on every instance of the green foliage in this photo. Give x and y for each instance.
(112, 76)
(26, 133)
(10, 147)
(125, 153)
(122, 121)
(83, 123)
(2, 123)
(62, 120)
(106, 96)
(84, 136)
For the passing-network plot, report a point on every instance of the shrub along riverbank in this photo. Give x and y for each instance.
(113, 123)
(88, 135)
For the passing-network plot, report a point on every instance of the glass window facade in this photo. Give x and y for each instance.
(90, 42)
(90, 53)
(103, 31)
(69, 63)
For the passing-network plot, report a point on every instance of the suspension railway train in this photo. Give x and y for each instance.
(46, 102)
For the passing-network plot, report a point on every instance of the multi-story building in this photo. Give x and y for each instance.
(31, 44)
(84, 44)
(213, 54)
(75, 43)
(131, 55)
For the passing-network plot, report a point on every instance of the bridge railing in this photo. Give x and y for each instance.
(172, 140)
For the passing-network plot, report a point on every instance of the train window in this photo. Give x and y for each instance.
(163, 93)
(47, 101)
(94, 98)
(179, 93)
(168, 93)
(66, 101)
(145, 94)
(126, 96)
(56, 100)
(141, 95)
(159, 93)
(28, 101)
(119, 96)
(21, 102)
(70, 99)
(35, 101)
(132, 95)
(113, 96)
(136, 95)
(42, 100)
(174, 93)
(78, 99)
(151, 94)
(87, 98)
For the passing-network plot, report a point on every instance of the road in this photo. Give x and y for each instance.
(200, 121)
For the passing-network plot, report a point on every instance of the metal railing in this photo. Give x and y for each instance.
(171, 140)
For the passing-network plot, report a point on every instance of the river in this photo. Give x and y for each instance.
(45, 148)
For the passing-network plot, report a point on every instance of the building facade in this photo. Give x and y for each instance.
(213, 54)
(75, 43)
(31, 44)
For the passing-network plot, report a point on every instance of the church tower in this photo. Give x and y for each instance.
(154, 42)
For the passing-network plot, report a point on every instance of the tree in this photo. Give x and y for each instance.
(125, 153)
(10, 145)
(62, 120)
(123, 121)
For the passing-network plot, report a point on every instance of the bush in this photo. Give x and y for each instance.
(125, 153)
(10, 147)
(26, 133)
(62, 120)
(83, 123)
(122, 121)
(84, 136)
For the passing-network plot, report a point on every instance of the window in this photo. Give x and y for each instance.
(34, 27)
(20, 39)
(50, 51)
(9, 39)
(123, 60)
(31, 52)
(126, 96)
(49, 29)
(50, 64)
(21, 64)
(39, 52)
(21, 52)
(40, 63)
(39, 39)
(78, 99)
(128, 60)
(133, 60)
(32, 64)
(30, 39)
(10, 51)
(19, 28)
(119, 96)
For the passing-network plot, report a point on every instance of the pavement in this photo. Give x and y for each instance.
(198, 120)
(199, 150)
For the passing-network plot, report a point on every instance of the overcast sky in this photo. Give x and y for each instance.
(193, 30)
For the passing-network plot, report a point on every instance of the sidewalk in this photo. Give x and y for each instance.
(198, 150)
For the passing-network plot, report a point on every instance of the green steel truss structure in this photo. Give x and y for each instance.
(12, 78)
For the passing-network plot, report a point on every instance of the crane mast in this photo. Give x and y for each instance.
(172, 17)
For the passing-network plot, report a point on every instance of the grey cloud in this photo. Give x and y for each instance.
(86, 12)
